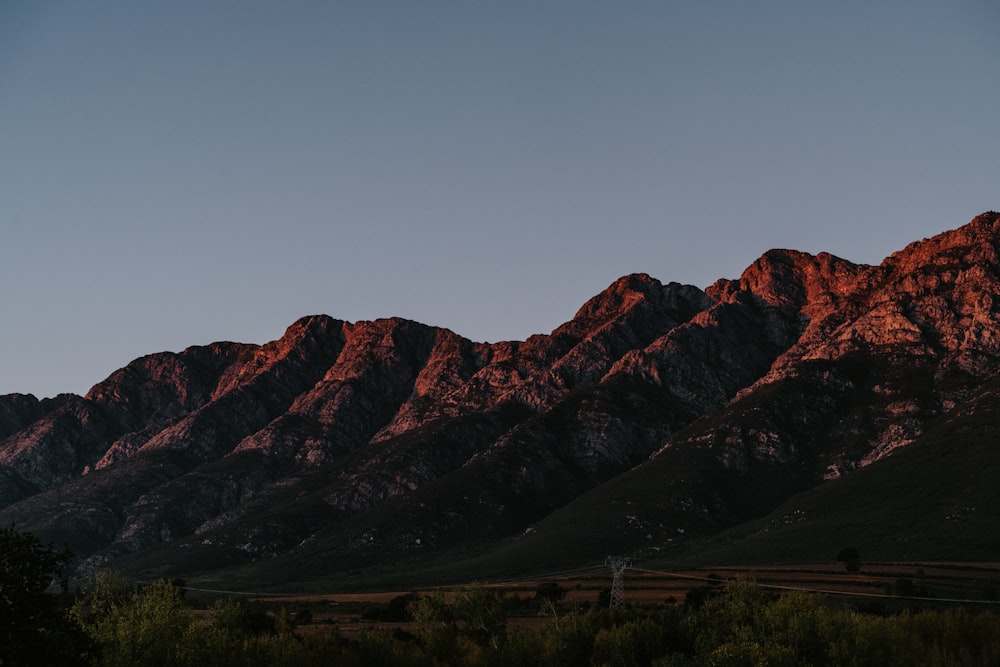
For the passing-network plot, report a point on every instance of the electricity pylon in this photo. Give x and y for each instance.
(618, 565)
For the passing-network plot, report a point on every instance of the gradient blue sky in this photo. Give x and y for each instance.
(174, 173)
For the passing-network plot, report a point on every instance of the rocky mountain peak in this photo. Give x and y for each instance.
(342, 443)
(616, 299)
(793, 279)
(305, 339)
(975, 242)
(19, 410)
(926, 312)
(165, 385)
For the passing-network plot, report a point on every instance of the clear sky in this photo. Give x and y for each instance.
(175, 173)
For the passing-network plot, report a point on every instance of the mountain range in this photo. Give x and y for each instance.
(810, 405)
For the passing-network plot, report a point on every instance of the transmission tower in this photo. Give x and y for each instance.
(618, 565)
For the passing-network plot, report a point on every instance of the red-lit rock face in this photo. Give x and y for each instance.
(803, 369)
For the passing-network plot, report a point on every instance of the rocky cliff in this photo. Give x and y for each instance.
(659, 414)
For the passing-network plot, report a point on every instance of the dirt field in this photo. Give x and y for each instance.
(878, 585)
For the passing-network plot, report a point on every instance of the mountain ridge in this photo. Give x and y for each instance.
(661, 414)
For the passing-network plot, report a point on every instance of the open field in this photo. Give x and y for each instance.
(879, 587)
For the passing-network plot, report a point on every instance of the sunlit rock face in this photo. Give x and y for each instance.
(366, 442)
(912, 337)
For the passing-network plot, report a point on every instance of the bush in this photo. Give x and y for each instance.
(241, 618)
(631, 644)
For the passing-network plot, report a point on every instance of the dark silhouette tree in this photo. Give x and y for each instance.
(550, 591)
(851, 559)
(848, 554)
(34, 626)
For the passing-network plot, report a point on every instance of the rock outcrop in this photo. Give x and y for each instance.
(658, 413)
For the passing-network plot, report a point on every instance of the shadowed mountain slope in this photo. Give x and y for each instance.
(662, 420)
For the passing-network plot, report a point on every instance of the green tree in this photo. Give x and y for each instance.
(145, 628)
(482, 610)
(436, 628)
(100, 598)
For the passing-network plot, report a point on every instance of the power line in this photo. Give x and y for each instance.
(820, 591)
(592, 569)
(618, 565)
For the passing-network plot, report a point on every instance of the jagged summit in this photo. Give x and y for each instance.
(658, 415)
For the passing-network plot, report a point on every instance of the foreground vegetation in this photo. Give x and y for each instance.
(109, 623)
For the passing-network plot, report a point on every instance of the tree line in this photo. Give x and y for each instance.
(107, 622)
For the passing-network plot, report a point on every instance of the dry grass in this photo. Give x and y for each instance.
(936, 583)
